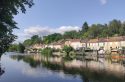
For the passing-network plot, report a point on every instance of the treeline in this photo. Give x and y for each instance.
(113, 28)
(17, 48)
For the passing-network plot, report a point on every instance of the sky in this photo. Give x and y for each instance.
(57, 16)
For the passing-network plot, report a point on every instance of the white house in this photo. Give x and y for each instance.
(75, 43)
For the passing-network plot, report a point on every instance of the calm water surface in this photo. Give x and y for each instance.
(36, 68)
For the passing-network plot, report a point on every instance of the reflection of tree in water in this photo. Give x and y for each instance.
(2, 71)
(27, 59)
(86, 74)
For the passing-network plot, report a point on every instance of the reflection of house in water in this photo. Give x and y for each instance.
(92, 65)
(88, 70)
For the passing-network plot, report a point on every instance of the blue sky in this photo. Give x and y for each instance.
(50, 16)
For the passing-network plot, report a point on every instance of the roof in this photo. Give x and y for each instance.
(107, 39)
(113, 39)
(75, 40)
(102, 40)
(84, 40)
(93, 41)
(60, 42)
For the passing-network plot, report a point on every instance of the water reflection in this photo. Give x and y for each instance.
(89, 71)
(2, 71)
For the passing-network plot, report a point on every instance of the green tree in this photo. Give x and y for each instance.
(94, 31)
(21, 48)
(47, 51)
(122, 29)
(85, 27)
(13, 48)
(9, 8)
(33, 40)
(52, 38)
(71, 34)
(114, 27)
(67, 49)
(27, 42)
(36, 39)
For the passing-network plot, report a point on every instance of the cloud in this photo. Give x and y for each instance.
(63, 29)
(43, 31)
(103, 2)
(37, 30)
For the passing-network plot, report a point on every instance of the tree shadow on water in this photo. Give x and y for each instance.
(2, 70)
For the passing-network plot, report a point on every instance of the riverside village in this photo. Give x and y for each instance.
(62, 41)
(102, 46)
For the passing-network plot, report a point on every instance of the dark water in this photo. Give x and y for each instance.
(36, 68)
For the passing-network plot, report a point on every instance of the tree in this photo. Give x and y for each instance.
(67, 49)
(114, 27)
(21, 48)
(36, 39)
(71, 34)
(122, 29)
(27, 42)
(9, 8)
(94, 31)
(85, 27)
(13, 48)
(52, 38)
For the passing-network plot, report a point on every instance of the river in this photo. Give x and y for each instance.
(16, 67)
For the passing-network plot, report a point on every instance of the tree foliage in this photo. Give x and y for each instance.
(35, 39)
(13, 48)
(71, 34)
(16, 48)
(67, 49)
(85, 27)
(21, 48)
(9, 8)
(52, 38)
(47, 51)
(113, 28)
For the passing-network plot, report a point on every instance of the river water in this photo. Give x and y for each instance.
(17, 67)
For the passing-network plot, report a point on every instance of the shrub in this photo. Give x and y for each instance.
(47, 51)
(21, 48)
(67, 49)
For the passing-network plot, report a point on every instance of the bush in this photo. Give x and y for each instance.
(13, 48)
(67, 49)
(47, 51)
(21, 48)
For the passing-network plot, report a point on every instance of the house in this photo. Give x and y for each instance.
(122, 43)
(93, 44)
(59, 44)
(84, 43)
(107, 43)
(115, 42)
(50, 45)
(103, 43)
(37, 46)
(75, 43)
(67, 42)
